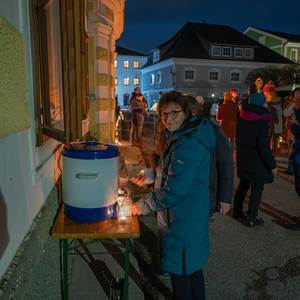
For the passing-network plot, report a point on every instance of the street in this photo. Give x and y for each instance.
(260, 263)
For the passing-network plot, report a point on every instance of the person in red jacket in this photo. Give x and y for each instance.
(227, 115)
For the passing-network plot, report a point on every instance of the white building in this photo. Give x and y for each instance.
(127, 74)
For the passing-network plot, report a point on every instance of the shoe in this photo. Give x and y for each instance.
(239, 215)
(288, 172)
(165, 275)
(139, 144)
(258, 222)
(292, 226)
(295, 219)
(134, 143)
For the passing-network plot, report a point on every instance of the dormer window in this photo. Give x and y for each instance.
(226, 51)
(238, 52)
(156, 56)
(248, 53)
(216, 51)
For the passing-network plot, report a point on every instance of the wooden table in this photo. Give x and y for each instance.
(65, 229)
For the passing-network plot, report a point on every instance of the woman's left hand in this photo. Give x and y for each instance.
(224, 208)
(135, 210)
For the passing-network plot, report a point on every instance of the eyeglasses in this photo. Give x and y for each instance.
(174, 114)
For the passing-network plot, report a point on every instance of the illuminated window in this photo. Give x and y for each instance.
(116, 63)
(152, 79)
(226, 51)
(136, 81)
(126, 80)
(216, 51)
(116, 80)
(126, 64)
(248, 53)
(158, 77)
(136, 64)
(238, 52)
(63, 107)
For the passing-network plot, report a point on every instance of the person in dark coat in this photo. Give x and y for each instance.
(181, 196)
(137, 120)
(295, 155)
(254, 160)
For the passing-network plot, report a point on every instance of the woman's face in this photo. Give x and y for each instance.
(172, 116)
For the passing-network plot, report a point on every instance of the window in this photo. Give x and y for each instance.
(136, 64)
(235, 76)
(126, 64)
(126, 80)
(216, 51)
(156, 56)
(152, 79)
(248, 53)
(294, 55)
(262, 40)
(214, 75)
(116, 80)
(63, 107)
(158, 77)
(136, 81)
(116, 63)
(238, 52)
(189, 74)
(226, 51)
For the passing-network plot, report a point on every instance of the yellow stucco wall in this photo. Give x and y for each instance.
(14, 111)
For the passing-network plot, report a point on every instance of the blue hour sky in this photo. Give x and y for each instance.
(150, 23)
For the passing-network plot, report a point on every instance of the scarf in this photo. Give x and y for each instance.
(250, 116)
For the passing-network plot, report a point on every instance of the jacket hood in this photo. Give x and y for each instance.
(199, 128)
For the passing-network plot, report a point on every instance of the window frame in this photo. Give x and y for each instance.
(136, 81)
(134, 64)
(152, 79)
(126, 79)
(116, 81)
(248, 49)
(296, 54)
(189, 69)
(236, 72)
(241, 56)
(125, 63)
(116, 63)
(214, 71)
(216, 47)
(226, 48)
(74, 68)
(158, 77)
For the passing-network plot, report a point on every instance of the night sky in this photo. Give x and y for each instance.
(150, 23)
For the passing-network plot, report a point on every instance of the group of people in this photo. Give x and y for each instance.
(195, 177)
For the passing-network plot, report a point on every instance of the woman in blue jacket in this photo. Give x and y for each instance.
(181, 196)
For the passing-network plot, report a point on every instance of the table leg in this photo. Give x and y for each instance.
(127, 254)
(65, 268)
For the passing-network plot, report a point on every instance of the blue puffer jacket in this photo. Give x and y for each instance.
(181, 197)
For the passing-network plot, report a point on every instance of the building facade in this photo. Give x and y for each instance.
(57, 85)
(285, 44)
(204, 60)
(127, 74)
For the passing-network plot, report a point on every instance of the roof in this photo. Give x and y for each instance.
(123, 51)
(194, 40)
(289, 36)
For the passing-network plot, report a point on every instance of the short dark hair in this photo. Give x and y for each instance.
(139, 95)
(178, 98)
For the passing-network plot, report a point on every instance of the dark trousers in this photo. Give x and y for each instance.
(254, 201)
(136, 134)
(296, 168)
(189, 287)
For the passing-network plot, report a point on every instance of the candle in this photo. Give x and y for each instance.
(124, 210)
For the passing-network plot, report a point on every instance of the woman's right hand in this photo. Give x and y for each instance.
(139, 180)
(274, 171)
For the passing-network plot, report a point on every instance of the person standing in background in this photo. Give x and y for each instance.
(227, 115)
(133, 95)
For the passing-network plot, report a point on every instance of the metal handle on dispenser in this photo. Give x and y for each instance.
(87, 176)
